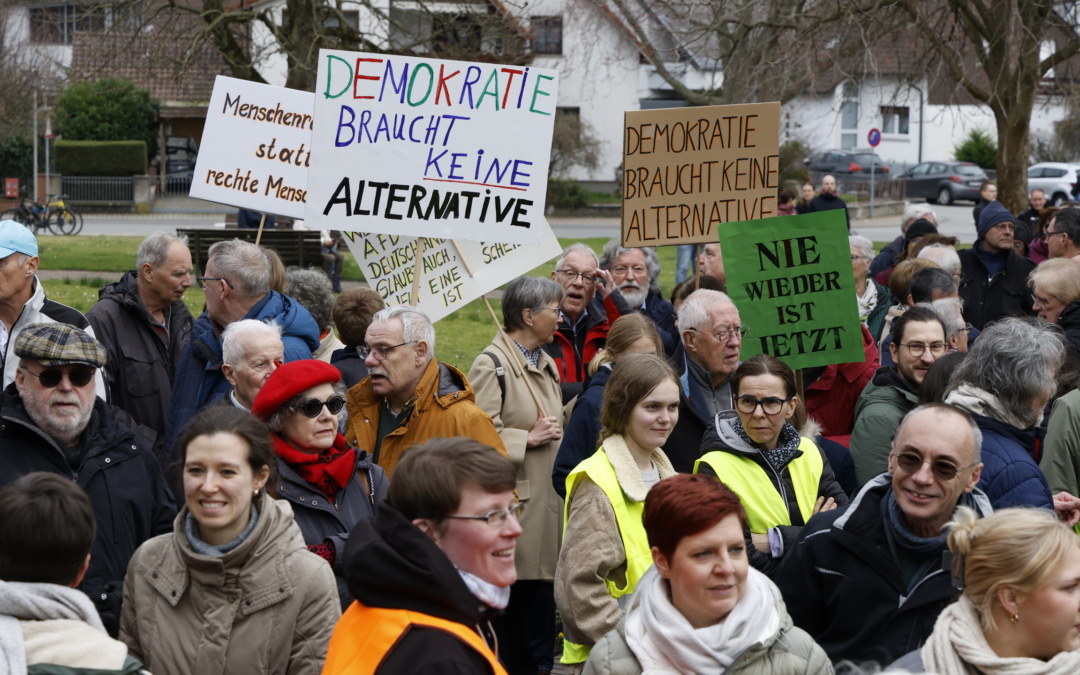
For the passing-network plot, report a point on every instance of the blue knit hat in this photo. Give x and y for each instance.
(993, 214)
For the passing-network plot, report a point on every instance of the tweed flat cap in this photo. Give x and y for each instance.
(59, 344)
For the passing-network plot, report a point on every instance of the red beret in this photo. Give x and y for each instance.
(290, 380)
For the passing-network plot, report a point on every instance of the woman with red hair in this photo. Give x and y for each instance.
(701, 608)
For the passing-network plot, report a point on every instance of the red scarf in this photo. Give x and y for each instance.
(329, 471)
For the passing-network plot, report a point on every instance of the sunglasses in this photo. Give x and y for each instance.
(313, 406)
(50, 377)
(943, 470)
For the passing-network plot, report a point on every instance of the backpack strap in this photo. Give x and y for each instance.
(500, 372)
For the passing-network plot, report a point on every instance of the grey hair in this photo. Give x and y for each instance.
(577, 247)
(915, 211)
(243, 265)
(1016, 360)
(951, 311)
(1057, 277)
(612, 251)
(154, 249)
(1034, 190)
(865, 246)
(312, 289)
(277, 419)
(976, 433)
(235, 337)
(694, 311)
(944, 255)
(527, 293)
(416, 326)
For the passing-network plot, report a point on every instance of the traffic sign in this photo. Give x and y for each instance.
(874, 137)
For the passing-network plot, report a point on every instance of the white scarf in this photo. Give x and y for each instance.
(36, 602)
(981, 402)
(486, 592)
(867, 301)
(958, 647)
(664, 641)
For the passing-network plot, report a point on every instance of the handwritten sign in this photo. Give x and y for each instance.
(686, 170)
(792, 281)
(431, 148)
(256, 147)
(389, 262)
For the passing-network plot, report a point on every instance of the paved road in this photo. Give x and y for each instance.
(953, 220)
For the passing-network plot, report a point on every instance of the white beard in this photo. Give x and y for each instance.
(634, 295)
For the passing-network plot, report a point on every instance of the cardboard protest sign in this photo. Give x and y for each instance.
(792, 281)
(256, 147)
(424, 147)
(389, 262)
(685, 170)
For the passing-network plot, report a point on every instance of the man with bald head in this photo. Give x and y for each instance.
(868, 580)
(829, 199)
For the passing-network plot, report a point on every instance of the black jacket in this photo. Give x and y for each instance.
(118, 472)
(140, 363)
(989, 299)
(350, 365)
(390, 563)
(1070, 323)
(830, 202)
(582, 437)
(842, 583)
(683, 446)
(720, 435)
(662, 314)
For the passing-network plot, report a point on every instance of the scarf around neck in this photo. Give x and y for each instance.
(958, 647)
(867, 301)
(664, 642)
(981, 402)
(328, 471)
(21, 601)
(787, 444)
(487, 593)
(195, 540)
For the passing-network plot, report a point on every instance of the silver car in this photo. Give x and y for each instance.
(1056, 179)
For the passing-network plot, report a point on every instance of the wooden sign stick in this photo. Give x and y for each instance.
(418, 254)
(258, 237)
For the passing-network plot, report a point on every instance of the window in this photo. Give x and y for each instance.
(547, 34)
(849, 115)
(56, 24)
(849, 141)
(894, 119)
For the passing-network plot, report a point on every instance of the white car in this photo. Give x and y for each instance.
(1057, 179)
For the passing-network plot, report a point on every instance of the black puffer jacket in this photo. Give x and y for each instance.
(1070, 323)
(122, 477)
(390, 563)
(988, 299)
(141, 363)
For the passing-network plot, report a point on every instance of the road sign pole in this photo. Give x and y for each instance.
(874, 137)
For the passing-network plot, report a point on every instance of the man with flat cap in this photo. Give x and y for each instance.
(23, 301)
(51, 420)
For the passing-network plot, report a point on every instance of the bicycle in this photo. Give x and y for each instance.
(55, 217)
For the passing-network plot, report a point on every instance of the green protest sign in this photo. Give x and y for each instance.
(791, 279)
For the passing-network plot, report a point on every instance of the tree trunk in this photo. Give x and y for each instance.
(1013, 117)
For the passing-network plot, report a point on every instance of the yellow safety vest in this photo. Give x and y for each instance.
(764, 505)
(365, 636)
(628, 517)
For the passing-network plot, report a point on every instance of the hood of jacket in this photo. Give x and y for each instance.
(391, 563)
(256, 566)
(124, 292)
(294, 319)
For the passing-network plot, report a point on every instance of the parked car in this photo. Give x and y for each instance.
(1057, 179)
(944, 182)
(181, 153)
(846, 161)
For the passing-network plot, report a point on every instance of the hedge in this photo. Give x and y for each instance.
(100, 158)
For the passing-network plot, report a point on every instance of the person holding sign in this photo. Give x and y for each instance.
(517, 384)
(781, 477)
(605, 551)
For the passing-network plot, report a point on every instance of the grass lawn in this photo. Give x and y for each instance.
(459, 337)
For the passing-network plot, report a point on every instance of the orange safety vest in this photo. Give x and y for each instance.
(365, 635)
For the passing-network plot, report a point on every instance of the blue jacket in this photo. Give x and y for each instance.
(662, 313)
(199, 379)
(1010, 474)
(582, 436)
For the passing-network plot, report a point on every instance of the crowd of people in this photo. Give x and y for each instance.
(292, 482)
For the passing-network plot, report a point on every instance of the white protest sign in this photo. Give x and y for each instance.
(256, 147)
(389, 262)
(425, 147)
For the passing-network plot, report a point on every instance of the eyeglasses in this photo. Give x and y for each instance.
(202, 281)
(917, 348)
(313, 406)
(1049, 234)
(556, 310)
(497, 517)
(380, 353)
(967, 328)
(770, 406)
(50, 377)
(638, 270)
(943, 470)
(738, 332)
(586, 277)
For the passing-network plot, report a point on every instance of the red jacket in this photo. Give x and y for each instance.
(831, 398)
(563, 351)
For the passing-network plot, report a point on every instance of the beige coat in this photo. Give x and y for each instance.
(514, 415)
(266, 607)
